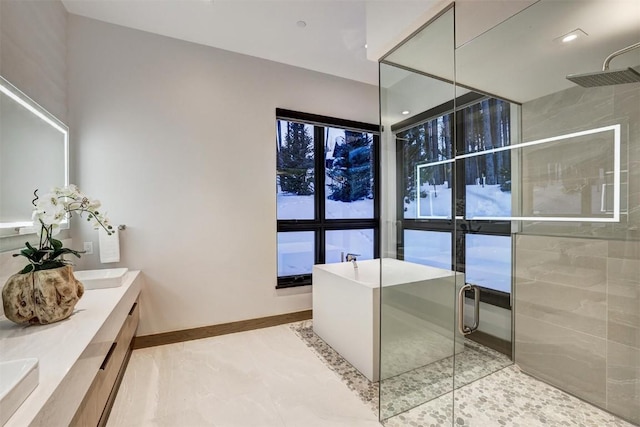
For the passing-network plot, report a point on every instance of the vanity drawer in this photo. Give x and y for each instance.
(97, 403)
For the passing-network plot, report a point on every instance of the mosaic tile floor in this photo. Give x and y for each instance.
(412, 388)
(507, 398)
(485, 398)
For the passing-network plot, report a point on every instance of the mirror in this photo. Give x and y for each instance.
(34, 154)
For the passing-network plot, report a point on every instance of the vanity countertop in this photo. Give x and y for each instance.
(70, 352)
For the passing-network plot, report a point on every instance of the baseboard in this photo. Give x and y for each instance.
(215, 330)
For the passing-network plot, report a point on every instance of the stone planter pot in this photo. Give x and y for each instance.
(43, 297)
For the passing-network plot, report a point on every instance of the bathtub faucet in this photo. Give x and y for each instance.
(352, 258)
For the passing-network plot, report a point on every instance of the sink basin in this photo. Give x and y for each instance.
(100, 279)
(18, 378)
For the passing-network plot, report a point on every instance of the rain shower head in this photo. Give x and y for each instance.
(608, 77)
(605, 78)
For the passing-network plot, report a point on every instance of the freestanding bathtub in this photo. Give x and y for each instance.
(417, 308)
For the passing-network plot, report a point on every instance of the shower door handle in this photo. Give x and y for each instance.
(464, 329)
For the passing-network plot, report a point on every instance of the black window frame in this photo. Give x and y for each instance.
(457, 226)
(320, 224)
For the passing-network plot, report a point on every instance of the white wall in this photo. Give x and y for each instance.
(178, 141)
(33, 51)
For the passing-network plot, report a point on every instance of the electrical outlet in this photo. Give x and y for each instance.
(88, 248)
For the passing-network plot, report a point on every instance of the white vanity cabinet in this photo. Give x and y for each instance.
(81, 359)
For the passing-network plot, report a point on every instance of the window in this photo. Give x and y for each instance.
(428, 247)
(439, 155)
(326, 190)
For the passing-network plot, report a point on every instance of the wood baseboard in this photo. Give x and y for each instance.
(215, 330)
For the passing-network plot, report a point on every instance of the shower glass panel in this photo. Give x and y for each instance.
(575, 188)
(418, 338)
(447, 151)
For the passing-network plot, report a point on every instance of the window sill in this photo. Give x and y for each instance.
(293, 281)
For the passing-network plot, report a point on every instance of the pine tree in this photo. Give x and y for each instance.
(295, 161)
(488, 137)
(351, 172)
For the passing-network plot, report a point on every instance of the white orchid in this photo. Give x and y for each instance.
(52, 208)
(49, 211)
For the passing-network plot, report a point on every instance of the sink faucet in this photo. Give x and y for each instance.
(352, 258)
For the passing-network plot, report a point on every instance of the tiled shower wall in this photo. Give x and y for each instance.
(577, 318)
(577, 285)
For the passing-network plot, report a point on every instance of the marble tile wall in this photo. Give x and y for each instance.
(577, 285)
(578, 318)
(578, 109)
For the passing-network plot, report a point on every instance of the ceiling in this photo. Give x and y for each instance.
(519, 59)
(332, 41)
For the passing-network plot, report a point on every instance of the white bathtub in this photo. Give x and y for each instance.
(346, 314)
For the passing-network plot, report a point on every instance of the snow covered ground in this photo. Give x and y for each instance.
(348, 241)
(302, 207)
(296, 253)
(552, 199)
(291, 206)
(428, 247)
(487, 201)
(488, 261)
(488, 258)
(296, 249)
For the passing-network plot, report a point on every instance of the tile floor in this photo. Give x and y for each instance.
(494, 395)
(287, 376)
(262, 378)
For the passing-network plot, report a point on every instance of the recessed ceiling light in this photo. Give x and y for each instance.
(366, 46)
(301, 24)
(405, 112)
(571, 36)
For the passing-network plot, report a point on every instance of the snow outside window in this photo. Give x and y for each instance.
(349, 189)
(488, 261)
(325, 193)
(339, 242)
(472, 141)
(431, 248)
(296, 253)
(295, 174)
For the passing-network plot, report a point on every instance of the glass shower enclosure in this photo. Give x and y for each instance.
(511, 211)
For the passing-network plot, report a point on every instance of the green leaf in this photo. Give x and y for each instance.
(49, 265)
(57, 244)
(27, 252)
(38, 255)
(27, 269)
(57, 253)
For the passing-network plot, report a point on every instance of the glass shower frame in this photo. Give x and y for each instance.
(596, 234)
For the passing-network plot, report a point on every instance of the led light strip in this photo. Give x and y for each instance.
(4, 89)
(616, 178)
(426, 165)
